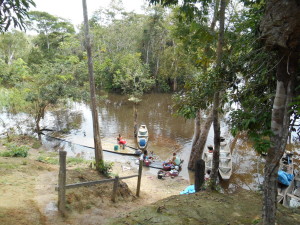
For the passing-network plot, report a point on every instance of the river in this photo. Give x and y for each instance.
(167, 134)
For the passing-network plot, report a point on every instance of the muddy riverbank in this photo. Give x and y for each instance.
(28, 196)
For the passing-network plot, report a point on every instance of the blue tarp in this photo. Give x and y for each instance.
(285, 178)
(189, 190)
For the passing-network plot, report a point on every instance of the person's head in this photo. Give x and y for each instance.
(119, 135)
(174, 153)
(145, 152)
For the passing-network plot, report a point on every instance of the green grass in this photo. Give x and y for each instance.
(52, 158)
(8, 166)
(15, 151)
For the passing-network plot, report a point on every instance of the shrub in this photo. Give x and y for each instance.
(105, 167)
(15, 151)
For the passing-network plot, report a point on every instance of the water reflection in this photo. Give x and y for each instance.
(167, 133)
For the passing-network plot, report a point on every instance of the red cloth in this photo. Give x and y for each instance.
(122, 142)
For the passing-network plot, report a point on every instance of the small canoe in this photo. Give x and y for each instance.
(142, 137)
(107, 147)
(225, 166)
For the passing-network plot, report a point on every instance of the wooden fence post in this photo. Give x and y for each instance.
(199, 174)
(115, 188)
(139, 178)
(62, 182)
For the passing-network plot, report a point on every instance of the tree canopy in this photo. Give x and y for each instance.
(14, 12)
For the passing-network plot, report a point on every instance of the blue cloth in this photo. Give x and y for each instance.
(189, 190)
(285, 178)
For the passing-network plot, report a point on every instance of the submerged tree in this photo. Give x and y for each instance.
(133, 78)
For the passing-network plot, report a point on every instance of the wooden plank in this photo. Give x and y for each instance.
(123, 178)
(90, 183)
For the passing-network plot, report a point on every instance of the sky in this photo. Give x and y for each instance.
(72, 9)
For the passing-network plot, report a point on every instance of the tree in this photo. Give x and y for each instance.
(51, 29)
(46, 87)
(96, 129)
(216, 103)
(14, 12)
(13, 45)
(199, 40)
(133, 78)
(154, 40)
(280, 29)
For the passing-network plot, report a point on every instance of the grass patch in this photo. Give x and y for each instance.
(52, 158)
(47, 159)
(15, 151)
(75, 161)
(36, 144)
(8, 166)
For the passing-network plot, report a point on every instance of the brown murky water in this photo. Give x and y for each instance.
(167, 134)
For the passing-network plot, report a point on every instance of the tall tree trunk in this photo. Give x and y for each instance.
(216, 103)
(175, 84)
(280, 31)
(38, 129)
(40, 114)
(198, 147)
(286, 73)
(197, 128)
(135, 131)
(96, 129)
(216, 153)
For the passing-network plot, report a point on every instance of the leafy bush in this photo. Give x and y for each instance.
(105, 167)
(15, 151)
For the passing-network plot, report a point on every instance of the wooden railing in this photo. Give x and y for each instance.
(62, 186)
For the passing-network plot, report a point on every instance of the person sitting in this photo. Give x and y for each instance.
(121, 141)
(146, 159)
(144, 155)
(207, 175)
(210, 149)
(175, 160)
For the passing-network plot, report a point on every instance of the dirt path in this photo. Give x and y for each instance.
(28, 196)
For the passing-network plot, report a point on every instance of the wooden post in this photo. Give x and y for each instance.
(115, 188)
(139, 178)
(62, 182)
(199, 174)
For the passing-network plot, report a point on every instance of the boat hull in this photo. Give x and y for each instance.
(142, 137)
(225, 166)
